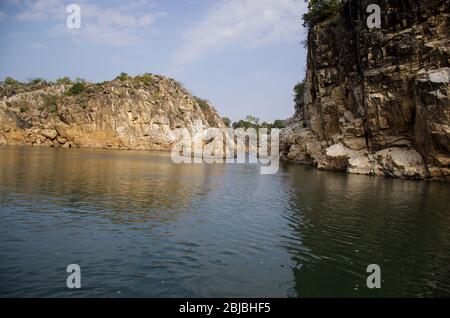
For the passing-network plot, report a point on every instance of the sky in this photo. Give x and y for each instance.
(244, 56)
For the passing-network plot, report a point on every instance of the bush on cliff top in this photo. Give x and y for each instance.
(145, 78)
(123, 77)
(77, 88)
(64, 80)
(11, 81)
(319, 10)
(226, 121)
(37, 80)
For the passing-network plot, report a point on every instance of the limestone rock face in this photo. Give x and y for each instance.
(129, 114)
(376, 101)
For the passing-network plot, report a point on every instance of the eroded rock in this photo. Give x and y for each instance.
(377, 98)
(129, 114)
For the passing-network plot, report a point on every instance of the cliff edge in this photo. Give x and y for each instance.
(376, 101)
(130, 113)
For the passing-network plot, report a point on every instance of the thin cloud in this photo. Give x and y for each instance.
(117, 26)
(41, 10)
(244, 22)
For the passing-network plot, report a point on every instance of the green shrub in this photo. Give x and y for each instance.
(249, 122)
(36, 80)
(122, 76)
(278, 124)
(319, 10)
(226, 121)
(64, 80)
(23, 109)
(242, 124)
(253, 122)
(146, 78)
(11, 81)
(77, 88)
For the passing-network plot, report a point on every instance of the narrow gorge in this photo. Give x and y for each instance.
(113, 185)
(375, 101)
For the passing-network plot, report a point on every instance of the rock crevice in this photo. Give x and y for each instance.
(376, 101)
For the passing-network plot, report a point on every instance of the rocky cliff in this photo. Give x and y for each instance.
(376, 101)
(132, 113)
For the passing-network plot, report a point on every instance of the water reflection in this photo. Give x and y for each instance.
(348, 222)
(124, 186)
(139, 225)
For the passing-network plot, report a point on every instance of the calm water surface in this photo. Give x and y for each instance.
(139, 225)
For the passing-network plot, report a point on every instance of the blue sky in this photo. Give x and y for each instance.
(244, 56)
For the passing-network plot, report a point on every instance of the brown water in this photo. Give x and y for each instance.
(139, 225)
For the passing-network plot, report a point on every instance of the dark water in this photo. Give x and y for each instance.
(139, 225)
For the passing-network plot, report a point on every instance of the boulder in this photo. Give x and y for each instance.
(49, 133)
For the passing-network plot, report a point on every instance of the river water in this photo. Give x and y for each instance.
(139, 225)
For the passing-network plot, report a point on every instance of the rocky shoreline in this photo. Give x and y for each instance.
(137, 113)
(376, 101)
